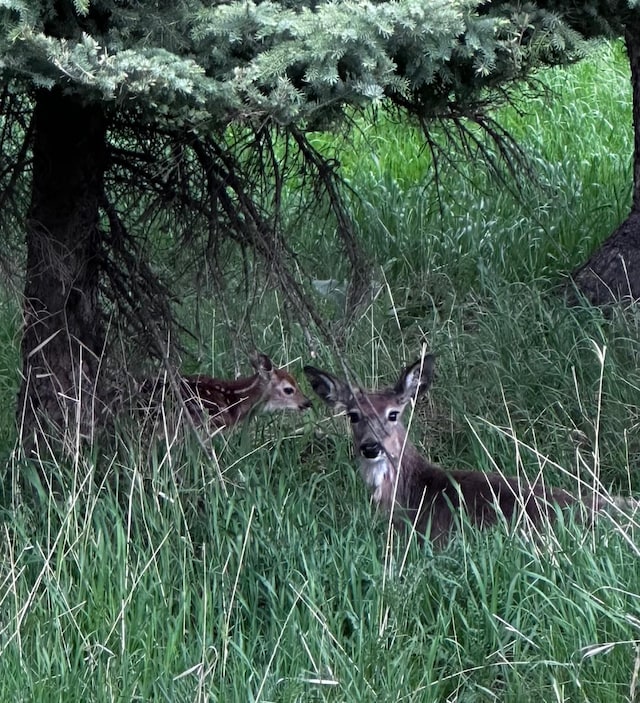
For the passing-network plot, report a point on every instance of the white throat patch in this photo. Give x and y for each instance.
(375, 472)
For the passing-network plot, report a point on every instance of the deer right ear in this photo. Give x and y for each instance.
(262, 364)
(332, 390)
(416, 378)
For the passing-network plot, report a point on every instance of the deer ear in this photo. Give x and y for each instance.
(416, 378)
(262, 364)
(332, 390)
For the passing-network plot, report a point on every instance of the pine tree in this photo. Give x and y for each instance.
(122, 120)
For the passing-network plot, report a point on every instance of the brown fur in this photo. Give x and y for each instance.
(430, 498)
(426, 495)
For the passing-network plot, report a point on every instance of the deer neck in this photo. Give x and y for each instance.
(388, 475)
(243, 397)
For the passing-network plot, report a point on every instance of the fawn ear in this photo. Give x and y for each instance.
(262, 364)
(416, 378)
(332, 390)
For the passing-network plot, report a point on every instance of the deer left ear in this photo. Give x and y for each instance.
(262, 364)
(332, 390)
(416, 378)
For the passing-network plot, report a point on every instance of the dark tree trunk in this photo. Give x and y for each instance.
(63, 333)
(613, 271)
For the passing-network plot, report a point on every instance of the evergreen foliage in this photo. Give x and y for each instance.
(245, 60)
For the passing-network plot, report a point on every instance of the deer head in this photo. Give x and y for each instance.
(378, 433)
(279, 390)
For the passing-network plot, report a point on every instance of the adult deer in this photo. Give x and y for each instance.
(416, 491)
(223, 403)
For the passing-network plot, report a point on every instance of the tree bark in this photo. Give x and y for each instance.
(612, 273)
(63, 331)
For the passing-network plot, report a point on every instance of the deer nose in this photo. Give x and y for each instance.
(306, 404)
(370, 450)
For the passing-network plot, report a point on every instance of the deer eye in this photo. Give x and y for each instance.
(287, 390)
(353, 417)
(393, 416)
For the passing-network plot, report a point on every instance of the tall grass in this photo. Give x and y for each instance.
(152, 580)
(275, 591)
(9, 364)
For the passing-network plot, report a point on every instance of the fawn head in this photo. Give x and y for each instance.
(375, 416)
(279, 388)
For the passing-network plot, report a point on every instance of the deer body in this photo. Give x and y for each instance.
(411, 488)
(430, 498)
(222, 404)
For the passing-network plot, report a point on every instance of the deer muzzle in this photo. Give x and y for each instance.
(370, 450)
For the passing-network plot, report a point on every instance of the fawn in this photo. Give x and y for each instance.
(222, 404)
(412, 489)
(230, 402)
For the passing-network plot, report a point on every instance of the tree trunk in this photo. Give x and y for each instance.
(63, 332)
(613, 271)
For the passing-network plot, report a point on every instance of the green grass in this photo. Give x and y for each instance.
(151, 580)
(9, 365)
(278, 591)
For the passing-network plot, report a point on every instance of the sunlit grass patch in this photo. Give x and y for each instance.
(577, 134)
